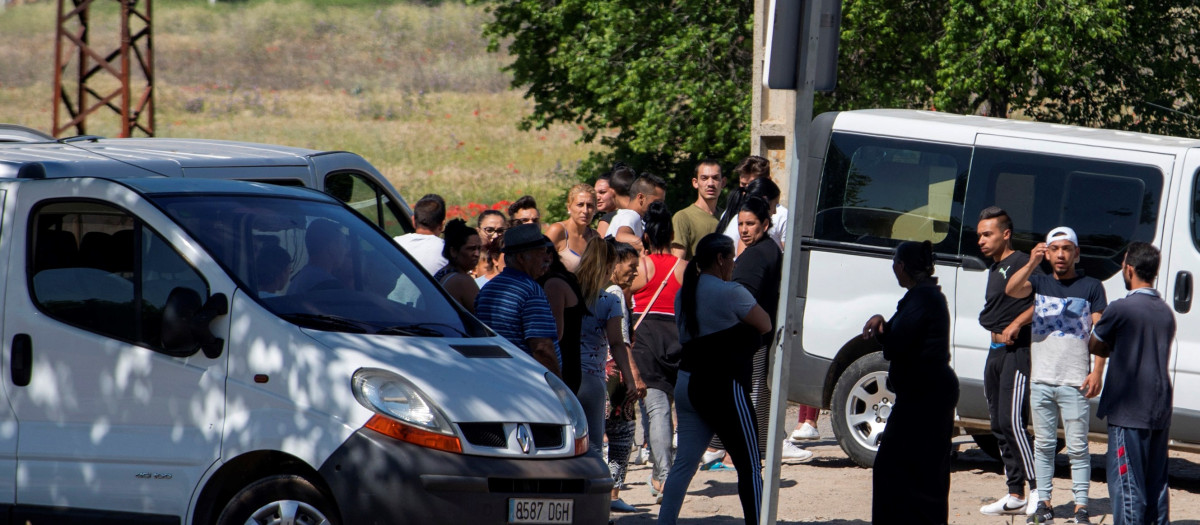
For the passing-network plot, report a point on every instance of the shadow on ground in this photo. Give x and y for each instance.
(1183, 474)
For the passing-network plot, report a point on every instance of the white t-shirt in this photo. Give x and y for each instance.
(426, 249)
(625, 217)
(776, 231)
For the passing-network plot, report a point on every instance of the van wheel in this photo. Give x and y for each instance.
(862, 402)
(278, 500)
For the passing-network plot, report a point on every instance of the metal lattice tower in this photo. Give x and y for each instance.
(89, 78)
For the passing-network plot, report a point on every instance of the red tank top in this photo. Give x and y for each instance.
(665, 304)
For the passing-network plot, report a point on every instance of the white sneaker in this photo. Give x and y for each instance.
(642, 457)
(711, 457)
(1006, 506)
(793, 454)
(805, 432)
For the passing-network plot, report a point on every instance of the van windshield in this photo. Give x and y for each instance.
(318, 265)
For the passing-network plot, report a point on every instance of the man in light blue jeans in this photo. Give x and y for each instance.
(1066, 305)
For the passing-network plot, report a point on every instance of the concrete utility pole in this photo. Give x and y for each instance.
(89, 78)
(773, 111)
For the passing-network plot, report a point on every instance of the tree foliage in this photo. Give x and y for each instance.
(667, 83)
(664, 83)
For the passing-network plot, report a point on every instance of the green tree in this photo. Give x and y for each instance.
(663, 83)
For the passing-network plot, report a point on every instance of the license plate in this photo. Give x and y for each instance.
(523, 510)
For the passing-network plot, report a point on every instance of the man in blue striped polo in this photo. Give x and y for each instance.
(514, 305)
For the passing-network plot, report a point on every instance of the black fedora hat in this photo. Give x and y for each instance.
(525, 237)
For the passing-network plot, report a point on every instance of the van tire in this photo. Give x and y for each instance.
(861, 403)
(266, 499)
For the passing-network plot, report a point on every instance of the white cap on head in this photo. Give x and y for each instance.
(1062, 233)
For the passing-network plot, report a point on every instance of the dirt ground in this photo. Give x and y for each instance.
(832, 490)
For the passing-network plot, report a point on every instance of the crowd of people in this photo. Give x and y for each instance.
(1051, 336)
(608, 300)
(639, 310)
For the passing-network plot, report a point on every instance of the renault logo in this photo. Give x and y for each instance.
(524, 439)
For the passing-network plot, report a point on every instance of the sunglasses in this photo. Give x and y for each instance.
(490, 230)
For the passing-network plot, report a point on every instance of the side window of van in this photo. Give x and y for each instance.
(1108, 204)
(100, 269)
(366, 198)
(880, 192)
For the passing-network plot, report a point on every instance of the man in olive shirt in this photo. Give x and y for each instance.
(699, 219)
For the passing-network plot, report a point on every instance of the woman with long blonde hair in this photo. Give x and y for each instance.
(601, 331)
(570, 237)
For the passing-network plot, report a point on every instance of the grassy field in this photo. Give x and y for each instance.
(408, 86)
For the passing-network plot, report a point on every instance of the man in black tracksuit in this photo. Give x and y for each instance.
(1006, 372)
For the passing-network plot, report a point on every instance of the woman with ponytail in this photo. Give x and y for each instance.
(912, 468)
(656, 345)
(720, 325)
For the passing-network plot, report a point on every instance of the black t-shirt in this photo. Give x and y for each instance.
(1137, 388)
(607, 217)
(760, 269)
(999, 308)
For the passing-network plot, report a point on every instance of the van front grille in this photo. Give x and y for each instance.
(484, 434)
(546, 435)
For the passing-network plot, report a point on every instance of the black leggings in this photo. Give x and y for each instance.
(724, 405)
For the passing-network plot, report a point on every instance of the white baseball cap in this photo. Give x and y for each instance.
(1062, 233)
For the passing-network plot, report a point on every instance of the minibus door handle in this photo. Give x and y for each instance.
(22, 359)
(1183, 292)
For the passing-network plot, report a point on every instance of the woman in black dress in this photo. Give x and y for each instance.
(912, 468)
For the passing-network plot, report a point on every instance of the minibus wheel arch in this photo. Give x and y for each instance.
(249, 468)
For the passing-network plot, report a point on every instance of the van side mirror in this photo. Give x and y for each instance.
(185, 323)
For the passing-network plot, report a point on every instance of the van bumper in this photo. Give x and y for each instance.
(377, 479)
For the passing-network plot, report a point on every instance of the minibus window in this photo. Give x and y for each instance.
(319, 265)
(881, 192)
(98, 268)
(1108, 204)
(367, 199)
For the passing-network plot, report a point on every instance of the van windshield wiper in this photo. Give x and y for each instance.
(419, 329)
(326, 322)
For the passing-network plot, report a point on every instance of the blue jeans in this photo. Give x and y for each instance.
(1137, 475)
(694, 435)
(660, 429)
(592, 394)
(1048, 402)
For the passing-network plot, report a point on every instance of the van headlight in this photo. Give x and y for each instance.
(402, 410)
(574, 410)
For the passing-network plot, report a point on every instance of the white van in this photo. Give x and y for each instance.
(880, 177)
(157, 370)
(345, 175)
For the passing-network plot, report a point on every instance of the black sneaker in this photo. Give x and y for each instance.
(1081, 516)
(1043, 514)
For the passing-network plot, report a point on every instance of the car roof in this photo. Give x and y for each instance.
(121, 158)
(950, 127)
(182, 186)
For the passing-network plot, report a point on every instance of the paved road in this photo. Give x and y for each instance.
(832, 490)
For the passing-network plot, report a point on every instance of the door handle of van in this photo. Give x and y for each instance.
(1183, 292)
(22, 359)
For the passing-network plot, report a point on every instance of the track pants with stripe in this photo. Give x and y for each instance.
(1137, 476)
(708, 404)
(1006, 385)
